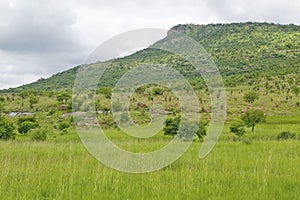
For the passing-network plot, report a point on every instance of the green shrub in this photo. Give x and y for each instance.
(26, 119)
(285, 135)
(158, 91)
(63, 125)
(107, 121)
(237, 128)
(26, 126)
(172, 126)
(250, 97)
(38, 134)
(201, 129)
(7, 129)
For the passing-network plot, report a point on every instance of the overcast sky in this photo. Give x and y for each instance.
(41, 37)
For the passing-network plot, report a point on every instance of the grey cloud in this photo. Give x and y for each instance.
(277, 11)
(37, 26)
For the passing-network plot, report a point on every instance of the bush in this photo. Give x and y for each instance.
(7, 129)
(38, 134)
(237, 128)
(26, 126)
(172, 126)
(285, 135)
(107, 121)
(64, 125)
(201, 129)
(26, 119)
(250, 97)
(158, 91)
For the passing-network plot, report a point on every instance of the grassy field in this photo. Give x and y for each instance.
(62, 168)
(255, 166)
(234, 170)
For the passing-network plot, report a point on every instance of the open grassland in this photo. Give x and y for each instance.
(234, 170)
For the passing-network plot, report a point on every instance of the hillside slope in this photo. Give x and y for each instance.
(242, 52)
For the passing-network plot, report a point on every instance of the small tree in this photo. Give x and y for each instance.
(33, 100)
(7, 129)
(201, 129)
(253, 117)
(250, 97)
(172, 126)
(238, 129)
(63, 97)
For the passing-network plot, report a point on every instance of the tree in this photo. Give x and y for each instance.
(172, 126)
(201, 129)
(7, 129)
(33, 100)
(253, 117)
(250, 97)
(237, 128)
(63, 97)
(295, 90)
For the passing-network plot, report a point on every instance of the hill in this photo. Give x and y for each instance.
(243, 52)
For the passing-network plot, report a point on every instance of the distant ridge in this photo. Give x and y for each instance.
(240, 50)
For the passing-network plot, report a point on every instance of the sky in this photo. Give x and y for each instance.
(39, 38)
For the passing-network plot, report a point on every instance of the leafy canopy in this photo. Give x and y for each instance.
(250, 97)
(253, 117)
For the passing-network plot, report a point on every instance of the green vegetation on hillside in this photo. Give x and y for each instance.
(245, 53)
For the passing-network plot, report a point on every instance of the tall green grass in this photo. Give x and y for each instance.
(262, 170)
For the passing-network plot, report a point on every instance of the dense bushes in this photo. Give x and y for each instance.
(172, 127)
(7, 129)
(25, 127)
(26, 124)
